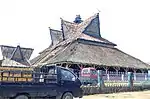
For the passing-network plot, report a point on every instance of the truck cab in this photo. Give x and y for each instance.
(47, 82)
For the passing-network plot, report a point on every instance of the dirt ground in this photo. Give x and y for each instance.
(125, 95)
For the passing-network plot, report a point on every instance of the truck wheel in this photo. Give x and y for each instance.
(67, 95)
(21, 97)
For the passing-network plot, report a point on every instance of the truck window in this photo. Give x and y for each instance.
(52, 71)
(85, 71)
(67, 75)
(94, 72)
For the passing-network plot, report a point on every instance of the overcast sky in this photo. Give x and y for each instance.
(124, 22)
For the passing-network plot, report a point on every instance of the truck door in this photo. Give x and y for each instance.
(69, 82)
(48, 80)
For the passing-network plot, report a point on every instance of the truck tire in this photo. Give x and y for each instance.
(22, 97)
(67, 95)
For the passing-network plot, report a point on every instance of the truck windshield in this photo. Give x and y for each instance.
(85, 71)
(94, 72)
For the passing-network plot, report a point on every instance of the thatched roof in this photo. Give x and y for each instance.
(15, 55)
(11, 63)
(56, 36)
(83, 44)
(81, 52)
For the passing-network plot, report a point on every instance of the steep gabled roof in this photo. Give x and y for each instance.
(56, 36)
(72, 31)
(88, 29)
(18, 54)
(83, 44)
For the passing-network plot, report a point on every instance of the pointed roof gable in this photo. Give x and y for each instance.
(73, 31)
(56, 36)
(88, 29)
(83, 44)
(93, 28)
(18, 54)
(83, 25)
(68, 29)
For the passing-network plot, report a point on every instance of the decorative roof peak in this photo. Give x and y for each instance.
(78, 19)
(17, 54)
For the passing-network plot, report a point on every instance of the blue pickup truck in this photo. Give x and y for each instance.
(47, 82)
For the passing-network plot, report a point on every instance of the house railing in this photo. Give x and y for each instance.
(111, 82)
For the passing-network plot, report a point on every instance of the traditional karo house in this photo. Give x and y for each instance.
(79, 44)
(15, 57)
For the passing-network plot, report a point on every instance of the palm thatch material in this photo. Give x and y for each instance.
(56, 36)
(82, 44)
(80, 52)
(15, 56)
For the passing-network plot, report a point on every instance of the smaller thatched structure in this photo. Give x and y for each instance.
(15, 56)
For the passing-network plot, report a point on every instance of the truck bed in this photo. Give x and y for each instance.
(23, 77)
(35, 89)
(47, 82)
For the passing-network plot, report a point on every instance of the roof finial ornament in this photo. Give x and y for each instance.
(78, 19)
(98, 10)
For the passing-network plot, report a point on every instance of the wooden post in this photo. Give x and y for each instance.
(126, 70)
(130, 79)
(146, 77)
(134, 74)
(122, 77)
(117, 69)
(142, 71)
(100, 79)
(149, 74)
(106, 69)
(67, 66)
(107, 76)
(80, 66)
